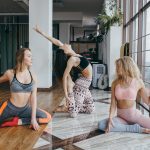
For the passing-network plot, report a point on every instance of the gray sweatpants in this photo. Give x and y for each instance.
(119, 126)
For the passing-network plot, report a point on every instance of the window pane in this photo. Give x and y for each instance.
(143, 44)
(127, 10)
(135, 46)
(144, 31)
(148, 21)
(135, 6)
(146, 54)
(135, 36)
(146, 77)
(127, 34)
(134, 56)
(135, 29)
(147, 42)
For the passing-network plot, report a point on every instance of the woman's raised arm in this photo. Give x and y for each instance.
(51, 39)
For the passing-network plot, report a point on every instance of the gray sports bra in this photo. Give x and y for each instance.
(18, 87)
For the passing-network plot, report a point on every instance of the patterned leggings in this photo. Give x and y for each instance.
(80, 99)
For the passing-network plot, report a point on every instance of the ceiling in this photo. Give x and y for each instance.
(88, 8)
(21, 6)
(91, 6)
(13, 6)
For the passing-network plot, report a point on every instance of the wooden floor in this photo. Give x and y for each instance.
(23, 138)
(67, 133)
(82, 133)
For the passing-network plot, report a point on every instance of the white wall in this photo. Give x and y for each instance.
(114, 41)
(65, 16)
(103, 47)
(40, 13)
(111, 50)
(64, 32)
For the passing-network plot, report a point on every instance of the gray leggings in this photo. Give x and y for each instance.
(8, 110)
(119, 126)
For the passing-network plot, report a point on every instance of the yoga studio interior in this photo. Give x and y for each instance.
(98, 32)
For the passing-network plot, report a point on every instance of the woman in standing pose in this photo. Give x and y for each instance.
(124, 92)
(78, 96)
(23, 88)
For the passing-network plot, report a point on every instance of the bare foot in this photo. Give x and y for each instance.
(62, 108)
(147, 131)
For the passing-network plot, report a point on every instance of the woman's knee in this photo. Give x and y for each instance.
(102, 124)
(91, 109)
(45, 117)
(48, 116)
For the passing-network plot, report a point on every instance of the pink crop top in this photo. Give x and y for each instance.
(128, 93)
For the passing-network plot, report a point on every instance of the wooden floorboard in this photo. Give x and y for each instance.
(23, 138)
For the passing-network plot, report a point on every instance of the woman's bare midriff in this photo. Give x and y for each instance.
(125, 104)
(20, 99)
(87, 72)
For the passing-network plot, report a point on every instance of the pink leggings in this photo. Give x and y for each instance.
(80, 99)
(133, 115)
(127, 120)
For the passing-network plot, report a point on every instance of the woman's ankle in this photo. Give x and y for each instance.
(146, 130)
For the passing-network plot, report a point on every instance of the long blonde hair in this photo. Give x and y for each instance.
(19, 59)
(126, 69)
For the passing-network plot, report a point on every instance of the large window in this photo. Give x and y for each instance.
(146, 45)
(137, 28)
(134, 40)
(14, 34)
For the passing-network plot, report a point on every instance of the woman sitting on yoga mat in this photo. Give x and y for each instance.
(124, 92)
(23, 88)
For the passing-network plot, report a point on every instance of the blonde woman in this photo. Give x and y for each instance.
(123, 99)
(23, 88)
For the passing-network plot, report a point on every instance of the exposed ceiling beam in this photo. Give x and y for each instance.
(13, 14)
(58, 3)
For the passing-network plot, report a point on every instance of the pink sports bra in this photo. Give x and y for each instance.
(128, 93)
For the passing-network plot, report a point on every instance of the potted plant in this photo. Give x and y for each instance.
(106, 21)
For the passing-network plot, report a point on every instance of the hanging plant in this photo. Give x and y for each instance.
(106, 21)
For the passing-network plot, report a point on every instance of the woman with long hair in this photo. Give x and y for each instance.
(125, 88)
(23, 88)
(78, 96)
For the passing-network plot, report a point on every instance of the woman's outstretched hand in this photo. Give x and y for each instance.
(37, 29)
(51, 39)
